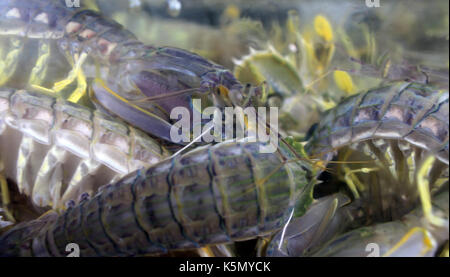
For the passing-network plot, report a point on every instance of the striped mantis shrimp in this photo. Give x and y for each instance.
(134, 81)
(212, 194)
(400, 132)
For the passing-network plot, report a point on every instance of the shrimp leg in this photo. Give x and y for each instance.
(6, 201)
(9, 64)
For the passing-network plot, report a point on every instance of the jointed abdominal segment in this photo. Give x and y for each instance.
(55, 150)
(212, 195)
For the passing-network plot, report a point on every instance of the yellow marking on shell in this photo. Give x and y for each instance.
(386, 69)
(344, 82)
(43, 89)
(293, 22)
(424, 192)
(232, 11)
(45, 166)
(427, 241)
(440, 182)
(352, 180)
(42, 18)
(205, 252)
(259, 183)
(9, 64)
(223, 91)
(38, 72)
(307, 43)
(348, 44)
(225, 95)
(46, 214)
(317, 61)
(323, 28)
(13, 13)
(91, 5)
(246, 72)
(371, 42)
(262, 244)
(323, 103)
(410, 161)
(319, 164)
(102, 84)
(246, 121)
(81, 89)
(389, 156)
(320, 78)
(4, 191)
(366, 51)
(73, 74)
(444, 252)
